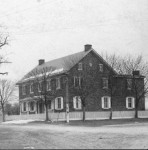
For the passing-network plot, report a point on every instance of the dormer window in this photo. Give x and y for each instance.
(80, 66)
(101, 67)
(31, 88)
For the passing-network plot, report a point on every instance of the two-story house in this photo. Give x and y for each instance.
(105, 89)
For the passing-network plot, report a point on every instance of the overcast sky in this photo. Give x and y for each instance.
(48, 29)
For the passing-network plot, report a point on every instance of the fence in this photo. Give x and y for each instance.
(79, 115)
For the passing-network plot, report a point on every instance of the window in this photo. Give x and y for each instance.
(77, 81)
(40, 86)
(106, 102)
(59, 103)
(31, 88)
(24, 106)
(23, 89)
(130, 102)
(31, 106)
(80, 66)
(58, 85)
(101, 67)
(105, 83)
(77, 102)
(129, 84)
(48, 85)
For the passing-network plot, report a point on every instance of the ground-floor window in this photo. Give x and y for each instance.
(130, 102)
(77, 102)
(106, 102)
(59, 103)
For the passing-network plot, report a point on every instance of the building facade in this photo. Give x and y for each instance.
(78, 80)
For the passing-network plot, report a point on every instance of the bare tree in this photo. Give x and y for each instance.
(42, 76)
(6, 94)
(127, 65)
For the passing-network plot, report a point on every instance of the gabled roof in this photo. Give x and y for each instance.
(64, 64)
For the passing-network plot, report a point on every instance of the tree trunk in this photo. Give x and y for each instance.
(136, 113)
(3, 114)
(111, 114)
(83, 113)
(46, 106)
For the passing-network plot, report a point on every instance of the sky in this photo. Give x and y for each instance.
(49, 29)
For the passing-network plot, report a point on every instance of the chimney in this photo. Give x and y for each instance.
(41, 61)
(136, 73)
(87, 47)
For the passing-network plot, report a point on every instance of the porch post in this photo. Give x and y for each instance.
(35, 107)
(28, 107)
(20, 108)
(67, 101)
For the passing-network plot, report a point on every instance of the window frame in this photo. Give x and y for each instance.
(108, 101)
(23, 89)
(129, 87)
(132, 102)
(58, 83)
(101, 67)
(79, 81)
(31, 88)
(80, 66)
(56, 103)
(77, 100)
(47, 87)
(103, 81)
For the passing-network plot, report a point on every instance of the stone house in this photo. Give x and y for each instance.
(105, 88)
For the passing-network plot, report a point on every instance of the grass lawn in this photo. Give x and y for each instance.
(95, 123)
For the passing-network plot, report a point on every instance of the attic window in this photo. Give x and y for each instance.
(101, 67)
(80, 66)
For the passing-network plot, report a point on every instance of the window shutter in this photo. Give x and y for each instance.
(74, 102)
(61, 102)
(52, 104)
(79, 103)
(127, 102)
(109, 102)
(133, 102)
(102, 102)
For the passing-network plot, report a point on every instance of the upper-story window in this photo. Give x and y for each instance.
(105, 83)
(129, 84)
(31, 88)
(24, 89)
(80, 67)
(130, 102)
(48, 85)
(77, 81)
(58, 83)
(106, 102)
(101, 67)
(40, 86)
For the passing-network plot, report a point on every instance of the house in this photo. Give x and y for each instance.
(70, 78)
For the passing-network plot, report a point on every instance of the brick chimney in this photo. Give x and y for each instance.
(87, 47)
(41, 61)
(136, 73)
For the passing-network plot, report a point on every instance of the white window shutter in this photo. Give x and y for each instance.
(102, 100)
(52, 104)
(79, 103)
(74, 102)
(109, 102)
(61, 102)
(127, 102)
(133, 102)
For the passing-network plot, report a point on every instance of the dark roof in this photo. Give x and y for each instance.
(62, 63)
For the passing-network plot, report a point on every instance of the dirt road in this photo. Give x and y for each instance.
(57, 136)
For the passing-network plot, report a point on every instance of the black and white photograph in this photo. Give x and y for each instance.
(73, 74)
